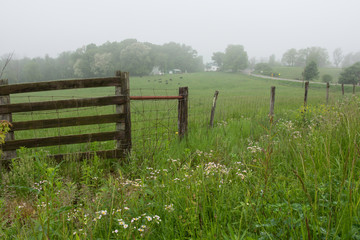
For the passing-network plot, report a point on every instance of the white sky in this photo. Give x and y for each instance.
(264, 27)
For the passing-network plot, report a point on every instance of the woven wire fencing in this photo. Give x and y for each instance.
(154, 123)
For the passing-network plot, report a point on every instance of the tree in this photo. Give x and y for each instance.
(32, 71)
(272, 60)
(350, 75)
(263, 68)
(252, 62)
(350, 59)
(289, 57)
(327, 78)
(135, 59)
(6, 61)
(301, 57)
(338, 56)
(317, 54)
(311, 71)
(235, 58)
(102, 66)
(218, 58)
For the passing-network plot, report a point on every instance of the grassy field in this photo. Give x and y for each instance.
(294, 177)
(295, 72)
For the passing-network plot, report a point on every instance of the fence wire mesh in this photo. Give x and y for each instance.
(154, 123)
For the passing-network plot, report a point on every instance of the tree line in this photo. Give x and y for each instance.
(138, 58)
(300, 58)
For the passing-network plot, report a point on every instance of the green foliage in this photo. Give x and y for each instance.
(326, 78)
(311, 71)
(302, 57)
(98, 61)
(235, 58)
(296, 72)
(263, 68)
(350, 75)
(289, 57)
(218, 58)
(338, 56)
(4, 129)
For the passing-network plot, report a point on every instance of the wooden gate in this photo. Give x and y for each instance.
(122, 133)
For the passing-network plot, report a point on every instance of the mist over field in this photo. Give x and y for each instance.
(36, 28)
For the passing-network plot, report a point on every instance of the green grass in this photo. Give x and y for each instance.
(296, 177)
(296, 72)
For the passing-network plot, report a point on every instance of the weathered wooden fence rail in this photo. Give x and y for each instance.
(122, 118)
(122, 134)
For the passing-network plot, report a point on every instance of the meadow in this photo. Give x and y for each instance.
(296, 73)
(293, 176)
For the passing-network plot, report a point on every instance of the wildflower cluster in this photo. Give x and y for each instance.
(155, 173)
(253, 148)
(204, 154)
(222, 123)
(139, 224)
(39, 186)
(169, 208)
(212, 168)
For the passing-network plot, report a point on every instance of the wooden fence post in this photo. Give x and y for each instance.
(5, 99)
(354, 86)
(272, 102)
(342, 89)
(183, 112)
(124, 90)
(327, 93)
(213, 109)
(306, 94)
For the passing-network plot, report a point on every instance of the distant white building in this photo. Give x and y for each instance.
(156, 71)
(175, 71)
(212, 68)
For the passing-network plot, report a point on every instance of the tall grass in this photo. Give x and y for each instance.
(296, 177)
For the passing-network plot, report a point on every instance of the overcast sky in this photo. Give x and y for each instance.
(264, 27)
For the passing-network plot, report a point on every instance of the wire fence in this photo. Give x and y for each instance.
(154, 123)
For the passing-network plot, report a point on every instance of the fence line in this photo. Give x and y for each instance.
(121, 118)
(153, 118)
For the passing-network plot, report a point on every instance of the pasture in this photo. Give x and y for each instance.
(296, 72)
(296, 177)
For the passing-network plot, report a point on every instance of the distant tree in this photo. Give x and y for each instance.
(289, 57)
(235, 58)
(4, 63)
(64, 65)
(102, 65)
(263, 68)
(350, 59)
(252, 63)
(327, 78)
(311, 71)
(350, 75)
(182, 57)
(32, 71)
(319, 55)
(301, 57)
(135, 59)
(272, 60)
(338, 56)
(304, 56)
(218, 58)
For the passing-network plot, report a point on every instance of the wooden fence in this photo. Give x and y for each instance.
(122, 120)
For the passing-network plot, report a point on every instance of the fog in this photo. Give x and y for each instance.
(263, 27)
